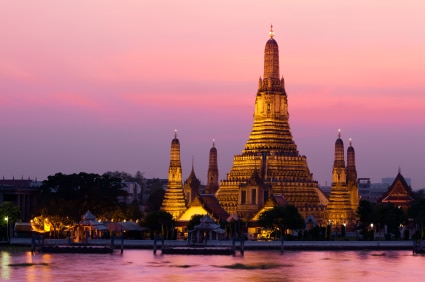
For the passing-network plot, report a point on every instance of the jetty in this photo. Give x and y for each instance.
(39, 244)
(354, 245)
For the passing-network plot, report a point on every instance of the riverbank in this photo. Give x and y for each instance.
(248, 245)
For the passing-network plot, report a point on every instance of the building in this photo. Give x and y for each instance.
(191, 187)
(174, 201)
(21, 192)
(270, 162)
(399, 193)
(344, 199)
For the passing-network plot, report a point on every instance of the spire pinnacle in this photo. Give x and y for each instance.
(213, 142)
(350, 141)
(271, 33)
(175, 133)
(339, 133)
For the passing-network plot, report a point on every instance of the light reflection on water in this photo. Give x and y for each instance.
(254, 266)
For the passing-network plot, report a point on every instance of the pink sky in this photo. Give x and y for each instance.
(101, 85)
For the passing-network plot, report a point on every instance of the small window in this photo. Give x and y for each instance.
(243, 197)
(254, 196)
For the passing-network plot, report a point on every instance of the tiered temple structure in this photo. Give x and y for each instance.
(174, 199)
(270, 163)
(212, 177)
(191, 187)
(342, 204)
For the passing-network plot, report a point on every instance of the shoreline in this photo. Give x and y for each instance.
(248, 245)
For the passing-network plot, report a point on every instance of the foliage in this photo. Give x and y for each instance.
(124, 176)
(160, 223)
(11, 211)
(365, 212)
(386, 214)
(381, 215)
(194, 220)
(155, 198)
(416, 212)
(70, 196)
(282, 218)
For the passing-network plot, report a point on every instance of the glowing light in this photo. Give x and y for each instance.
(271, 33)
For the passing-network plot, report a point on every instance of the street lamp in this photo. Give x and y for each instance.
(7, 227)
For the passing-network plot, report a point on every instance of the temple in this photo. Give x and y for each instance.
(174, 201)
(269, 172)
(399, 193)
(270, 163)
(344, 199)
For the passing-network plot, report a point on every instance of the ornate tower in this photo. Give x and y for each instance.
(352, 186)
(174, 201)
(212, 178)
(339, 211)
(271, 153)
(192, 186)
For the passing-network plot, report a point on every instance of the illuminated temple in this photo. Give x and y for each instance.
(174, 201)
(344, 197)
(270, 164)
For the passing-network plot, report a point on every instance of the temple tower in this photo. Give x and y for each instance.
(212, 177)
(352, 186)
(192, 187)
(339, 211)
(271, 154)
(174, 200)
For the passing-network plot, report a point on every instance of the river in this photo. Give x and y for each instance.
(138, 265)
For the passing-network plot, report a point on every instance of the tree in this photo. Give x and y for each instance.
(70, 196)
(11, 211)
(160, 223)
(194, 220)
(386, 214)
(9, 214)
(282, 218)
(154, 201)
(416, 211)
(125, 176)
(365, 214)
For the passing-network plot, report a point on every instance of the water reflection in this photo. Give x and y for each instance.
(254, 266)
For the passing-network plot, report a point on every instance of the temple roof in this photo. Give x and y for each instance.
(399, 192)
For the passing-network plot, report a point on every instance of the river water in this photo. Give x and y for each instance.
(138, 265)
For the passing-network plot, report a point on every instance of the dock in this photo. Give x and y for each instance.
(192, 250)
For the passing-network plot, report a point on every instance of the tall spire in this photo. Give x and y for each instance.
(339, 152)
(191, 185)
(338, 173)
(352, 185)
(271, 60)
(212, 177)
(174, 201)
(351, 164)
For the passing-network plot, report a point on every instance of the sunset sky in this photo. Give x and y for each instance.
(101, 85)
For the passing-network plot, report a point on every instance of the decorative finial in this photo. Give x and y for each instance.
(213, 142)
(271, 33)
(175, 133)
(350, 141)
(339, 133)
